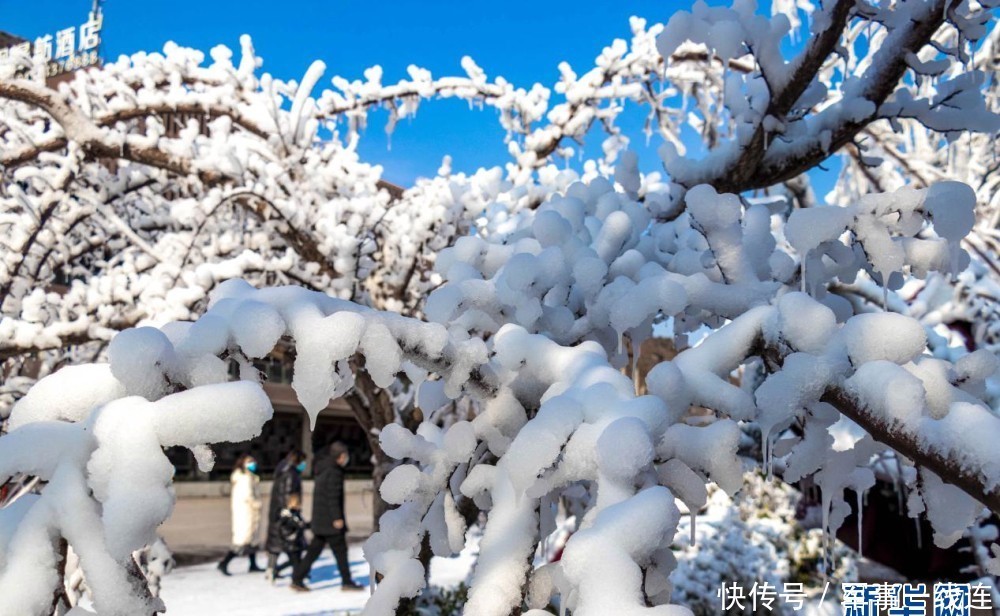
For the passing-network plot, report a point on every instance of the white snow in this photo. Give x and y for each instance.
(511, 297)
(201, 591)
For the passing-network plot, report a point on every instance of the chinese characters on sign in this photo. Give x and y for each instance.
(762, 596)
(70, 49)
(944, 599)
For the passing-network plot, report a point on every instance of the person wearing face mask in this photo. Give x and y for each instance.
(285, 526)
(246, 503)
(329, 524)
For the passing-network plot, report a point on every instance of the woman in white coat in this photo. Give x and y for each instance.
(246, 504)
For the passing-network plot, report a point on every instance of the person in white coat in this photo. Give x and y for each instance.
(246, 504)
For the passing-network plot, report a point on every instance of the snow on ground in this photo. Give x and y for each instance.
(202, 590)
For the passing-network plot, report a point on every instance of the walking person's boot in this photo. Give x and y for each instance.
(224, 565)
(270, 574)
(298, 576)
(254, 567)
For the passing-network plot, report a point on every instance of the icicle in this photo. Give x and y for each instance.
(860, 509)
(885, 295)
(826, 537)
(765, 447)
(694, 516)
(764, 457)
(802, 274)
(635, 368)
(621, 342)
(899, 494)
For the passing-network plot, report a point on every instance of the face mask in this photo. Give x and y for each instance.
(301, 467)
(252, 467)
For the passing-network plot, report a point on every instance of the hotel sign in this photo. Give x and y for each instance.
(67, 50)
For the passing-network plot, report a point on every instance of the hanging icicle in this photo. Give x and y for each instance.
(859, 495)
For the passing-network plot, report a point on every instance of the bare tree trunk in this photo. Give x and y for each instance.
(59, 593)
(138, 580)
(373, 408)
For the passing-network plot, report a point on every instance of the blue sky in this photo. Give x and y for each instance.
(522, 40)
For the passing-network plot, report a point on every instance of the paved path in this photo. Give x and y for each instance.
(200, 590)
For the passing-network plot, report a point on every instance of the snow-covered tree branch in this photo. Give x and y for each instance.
(180, 220)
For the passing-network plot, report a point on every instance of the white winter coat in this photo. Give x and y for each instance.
(246, 504)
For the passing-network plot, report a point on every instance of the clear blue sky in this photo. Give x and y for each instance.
(523, 40)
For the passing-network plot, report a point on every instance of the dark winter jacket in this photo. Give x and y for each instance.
(287, 481)
(291, 531)
(328, 498)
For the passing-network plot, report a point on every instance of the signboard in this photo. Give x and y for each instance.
(67, 50)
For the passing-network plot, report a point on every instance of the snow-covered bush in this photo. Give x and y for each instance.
(725, 550)
(522, 295)
(751, 541)
(437, 601)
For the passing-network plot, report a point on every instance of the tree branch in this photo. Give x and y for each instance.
(877, 84)
(97, 143)
(806, 67)
(782, 162)
(899, 438)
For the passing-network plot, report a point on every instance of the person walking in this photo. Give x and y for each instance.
(284, 519)
(329, 524)
(245, 503)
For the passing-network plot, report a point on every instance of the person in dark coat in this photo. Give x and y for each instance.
(285, 527)
(329, 524)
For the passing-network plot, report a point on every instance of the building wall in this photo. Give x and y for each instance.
(288, 429)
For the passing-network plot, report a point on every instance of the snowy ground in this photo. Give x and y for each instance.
(202, 590)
